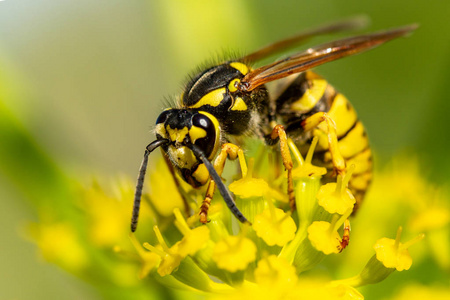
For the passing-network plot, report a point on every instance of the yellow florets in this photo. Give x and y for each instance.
(275, 271)
(61, 244)
(324, 237)
(274, 226)
(234, 253)
(393, 253)
(336, 197)
(228, 260)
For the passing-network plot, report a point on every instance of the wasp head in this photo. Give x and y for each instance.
(183, 128)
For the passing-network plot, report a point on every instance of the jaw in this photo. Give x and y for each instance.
(181, 156)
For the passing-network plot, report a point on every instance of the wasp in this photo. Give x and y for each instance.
(230, 100)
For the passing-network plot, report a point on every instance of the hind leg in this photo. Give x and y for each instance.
(315, 120)
(278, 132)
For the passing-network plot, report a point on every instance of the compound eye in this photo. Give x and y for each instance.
(163, 116)
(202, 121)
(203, 133)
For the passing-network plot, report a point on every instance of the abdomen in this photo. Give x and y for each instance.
(308, 94)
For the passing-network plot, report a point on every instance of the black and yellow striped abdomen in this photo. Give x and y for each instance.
(308, 94)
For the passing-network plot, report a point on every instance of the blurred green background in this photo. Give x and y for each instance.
(84, 82)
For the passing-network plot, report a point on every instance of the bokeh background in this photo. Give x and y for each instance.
(81, 84)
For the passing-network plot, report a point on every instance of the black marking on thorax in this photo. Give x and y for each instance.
(207, 81)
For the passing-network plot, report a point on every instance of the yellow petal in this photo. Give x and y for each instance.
(391, 256)
(323, 237)
(193, 241)
(274, 226)
(248, 187)
(334, 201)
(234, 253)
(275, 271)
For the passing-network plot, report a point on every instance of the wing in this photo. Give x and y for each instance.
(354, 23)
(316, 56)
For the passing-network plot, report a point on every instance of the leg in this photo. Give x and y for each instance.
(279, 132)
(312, 122)
(231, 152)
(336, 157)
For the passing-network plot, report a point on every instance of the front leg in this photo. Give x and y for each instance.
(231, 152)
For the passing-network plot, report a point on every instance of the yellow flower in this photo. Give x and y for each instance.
(344, 292)
(169, 262)
(336, 197)
(163, 191)
(274, 226)
(60, 244)
(324, 237)
(170, 257)
(224, 258)
(393, 253)
(234, 253)
(274, 271)
(193, 240)
(305, 168)
(390, 255)
(108, 222)
(248, 187)
(148, 259)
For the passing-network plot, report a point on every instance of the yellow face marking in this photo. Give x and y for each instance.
(177, 135)
(196, 133)
(212, 98)
(232, 86)
(159, 129)
(311, 96)
(240, 67)
(201, 174)
(239, 104)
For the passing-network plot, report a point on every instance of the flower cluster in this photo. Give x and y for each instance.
(284, 254)
(269, 257)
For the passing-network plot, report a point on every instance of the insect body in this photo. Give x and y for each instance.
(310, 94)
(231, 100)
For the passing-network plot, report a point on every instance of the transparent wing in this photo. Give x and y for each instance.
(316, 56)
(354, 23)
